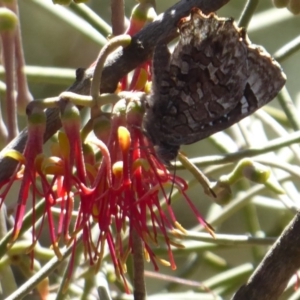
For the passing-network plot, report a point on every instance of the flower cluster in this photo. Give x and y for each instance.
(113, 180)
(103, 175)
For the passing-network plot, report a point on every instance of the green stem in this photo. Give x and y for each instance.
(200, 177)
(225, 239)
(254, 228)
(112, 45)
(277, 114)
(27, 224)
(8, 282)
(289, 108)
(234, 274)
(49, 75)
(232, 157)
(91, 17)
(71, 19)
(247, 13)
(288, 50)
(47, 269)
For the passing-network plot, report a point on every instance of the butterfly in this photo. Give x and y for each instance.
(214, 78)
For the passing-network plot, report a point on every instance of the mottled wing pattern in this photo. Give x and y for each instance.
(265, 76)
(209, 67)
(264, 80)
(214, 78)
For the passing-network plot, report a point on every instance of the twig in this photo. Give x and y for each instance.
(138, 268)
(272, 275)
(117, 17)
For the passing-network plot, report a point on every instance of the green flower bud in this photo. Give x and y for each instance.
(102, 127)
(294, 6)
(256, 172)
(135, 112)
(8, 20)
(35, 115)
(120, 108)
(222, 190)
(280, 3)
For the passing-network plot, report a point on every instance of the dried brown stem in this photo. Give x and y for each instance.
(24, 96)
(281, 262)
(8, 44)
(138, 267)
(117, 17)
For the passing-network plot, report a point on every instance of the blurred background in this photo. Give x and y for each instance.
(51, 40)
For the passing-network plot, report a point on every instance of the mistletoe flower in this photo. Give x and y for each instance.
(108, 176)
(34, 147)
(128, 188)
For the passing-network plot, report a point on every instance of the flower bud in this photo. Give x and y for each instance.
(102, 127)
(222, 190)
(280, 3)
(135, 112)
(8, 20)
(256, 172)
(294, 6)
